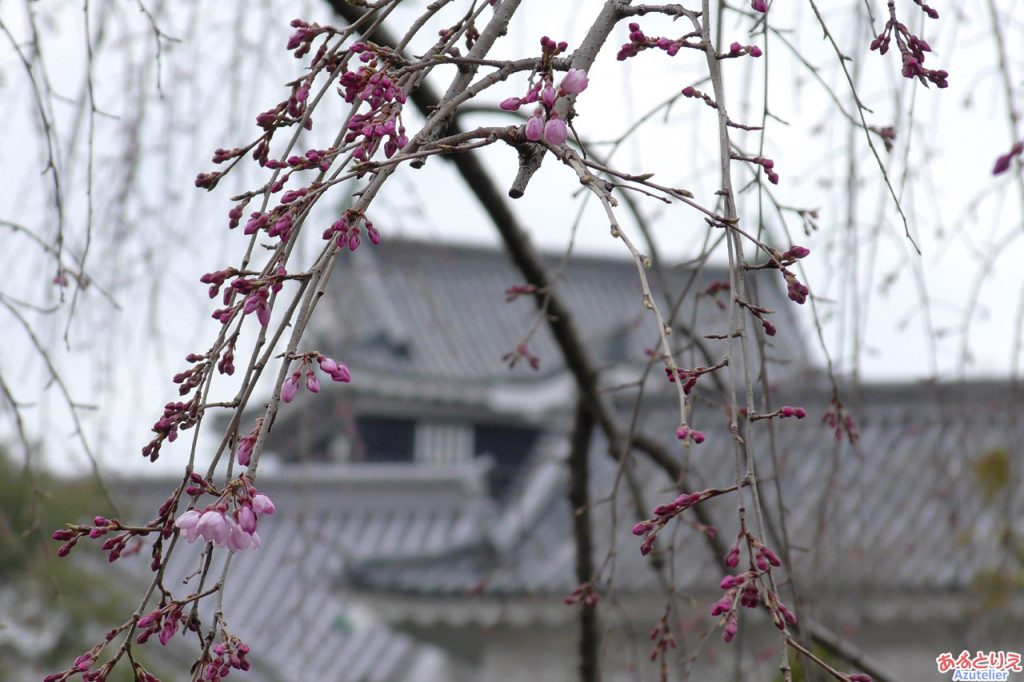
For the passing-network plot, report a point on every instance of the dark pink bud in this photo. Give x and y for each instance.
(759, 6)
(511, 104)
(312, 383)
(341, 374)
(290, 388)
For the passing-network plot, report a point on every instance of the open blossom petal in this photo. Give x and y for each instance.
(238, 540)
(575, 81)
(212, 527)
(187, 524)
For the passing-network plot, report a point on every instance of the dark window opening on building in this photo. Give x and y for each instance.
(508, 447)
(383, 439)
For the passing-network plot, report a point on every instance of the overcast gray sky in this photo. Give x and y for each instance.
(151, 245)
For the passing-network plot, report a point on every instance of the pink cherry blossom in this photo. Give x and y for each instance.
(212, 527)
(186, 523)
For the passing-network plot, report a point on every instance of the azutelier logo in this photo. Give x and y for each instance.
(982, 666)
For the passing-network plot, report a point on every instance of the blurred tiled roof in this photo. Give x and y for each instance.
(429, 311)
(922, 502)
(280, 599)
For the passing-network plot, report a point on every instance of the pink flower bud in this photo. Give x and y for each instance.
(327, 365)
(290, 388)
(547, 95)
(247, 519)
(575, 82)
(262, 505)
(341, 374)
(312, 383)
(535, 128)
(244, 453)
(556, 132)
(511, 104)
(731, 581)
(759, 6)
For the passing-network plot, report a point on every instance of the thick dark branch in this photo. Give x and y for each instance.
(579, 479)
(575, 353)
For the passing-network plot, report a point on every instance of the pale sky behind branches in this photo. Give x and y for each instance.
(151, 244)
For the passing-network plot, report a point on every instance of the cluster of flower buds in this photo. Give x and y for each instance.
(911, 47)
(1003, 162)
(841, 421)
(664, 513)
(306, 32)
(165, 620)
(521, 352)
(336, 370)
(230, 654)
(370, 83)
(586, 595)
(313, 159)
(742, 589)
(116, 546)
(738, 588)
(638, 42)
(689, 377)
(738, 50)
(784, 412)
(256, 289)
(346, 229)
(662, 637)
(177, 416)
(796, 290)
(685, 433)
(781, 614)
(545, 123)
(82, 666)
(231, 520)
